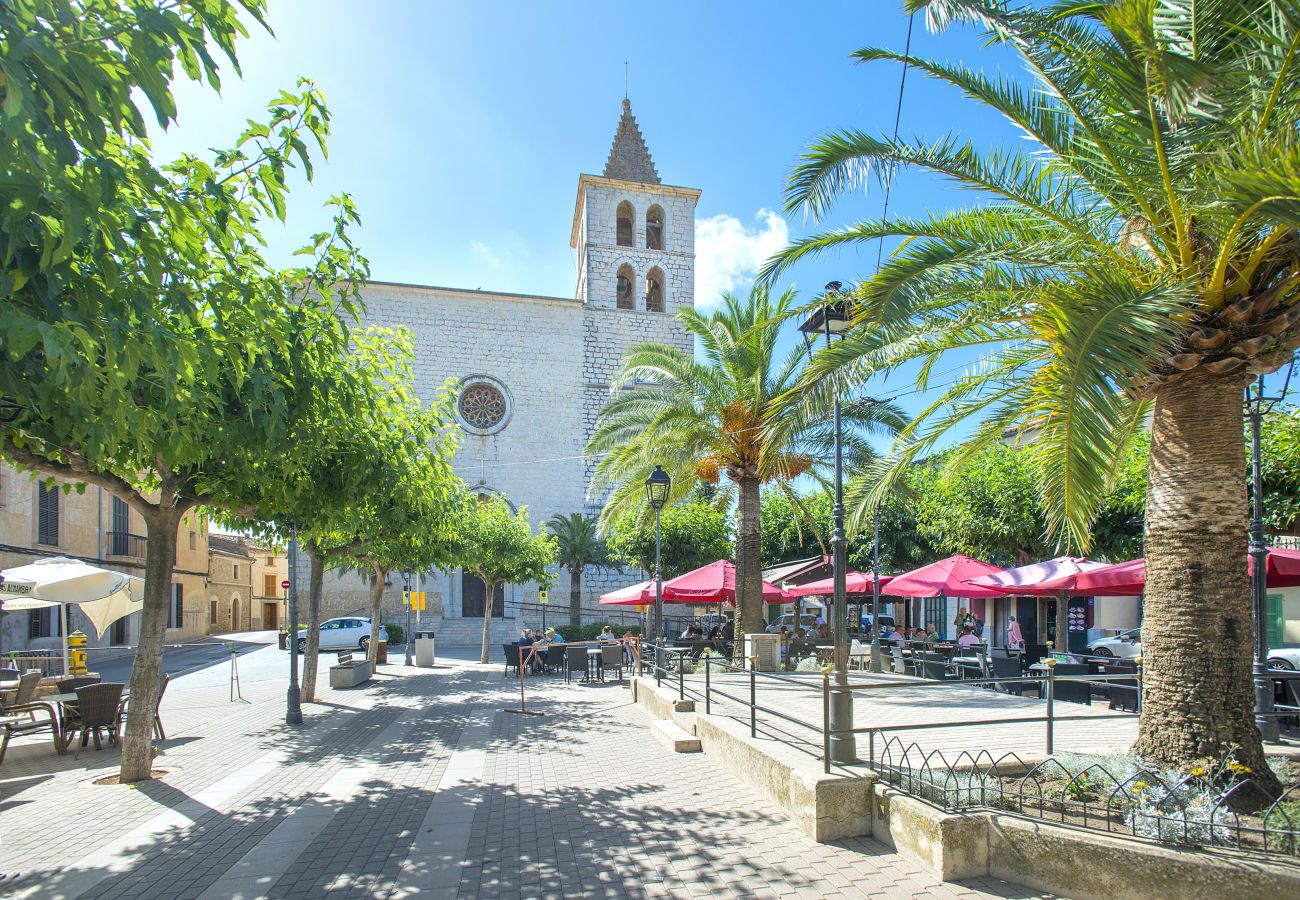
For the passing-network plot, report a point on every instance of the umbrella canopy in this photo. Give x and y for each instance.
(948, 578)
(1031, 578)
(1281, 568)
(1124, 579)
(714, 583)
(632, 595)
(104, 596)
(854, 583)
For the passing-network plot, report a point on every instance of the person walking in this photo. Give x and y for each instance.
(1015, 640)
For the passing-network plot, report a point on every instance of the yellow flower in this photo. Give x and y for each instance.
(1198, 771)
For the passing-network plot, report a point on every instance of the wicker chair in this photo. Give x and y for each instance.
(99, 707)
(611, 659)
(554, 661)
(20, 717)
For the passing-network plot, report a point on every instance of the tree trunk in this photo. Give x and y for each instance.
(311, 654)
(1063, 624)
(490, 584)
(376, 609)
(749, 572)
(575, 597)
(146, 673)
(1197, 696)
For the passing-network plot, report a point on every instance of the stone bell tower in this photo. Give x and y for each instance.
(635, 238)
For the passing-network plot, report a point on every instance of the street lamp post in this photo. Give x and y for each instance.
(293, 699)
(1257, 406)
(406, 576)
(656, 492)
(832, 318)
(876, 661)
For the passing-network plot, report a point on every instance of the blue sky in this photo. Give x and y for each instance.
(461, 128)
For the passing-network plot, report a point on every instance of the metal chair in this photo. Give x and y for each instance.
(611, 658)
(575, 658)
(99, 708)
(1007, 667)
(16, 724)
(512, 657)
(554, 660)
(1072, 691)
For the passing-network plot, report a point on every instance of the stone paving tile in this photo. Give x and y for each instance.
(580, 802)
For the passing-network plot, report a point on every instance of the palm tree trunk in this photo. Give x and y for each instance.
(1197, 697)
(380, 575)
(489, 584)
(314, 591)
(146, 673)
(749, 572)
(575, 597)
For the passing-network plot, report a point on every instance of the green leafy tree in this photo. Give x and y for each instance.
(577, 546)
(1139, 252)
(793, 526)
(731, 413)
(693, 534)
(501, 548)
(196, 362)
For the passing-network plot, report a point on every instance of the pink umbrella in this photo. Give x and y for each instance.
(854, 583)
(1031, 578)
(714, 583)
(632, 595)
(945, 578)
(1282, 568)
(1124, 579)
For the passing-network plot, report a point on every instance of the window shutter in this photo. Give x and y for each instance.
(1273, 620)
(178, 605)
(47, 515)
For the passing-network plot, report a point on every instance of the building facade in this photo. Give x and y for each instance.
(230, 585)
(37, 521)
(535, 370)
(270, 569)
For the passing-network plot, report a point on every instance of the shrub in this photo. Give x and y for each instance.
(396, 634)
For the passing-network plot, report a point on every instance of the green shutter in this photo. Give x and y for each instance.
(1273, 619)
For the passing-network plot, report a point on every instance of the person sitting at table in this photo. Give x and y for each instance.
(554, 637)
(688, 633)
(823, 632)
(898, 637)
(608, 636)
(931, 634)
(968, 638)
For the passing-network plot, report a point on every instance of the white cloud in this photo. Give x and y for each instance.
(728, 254)
(485, 253)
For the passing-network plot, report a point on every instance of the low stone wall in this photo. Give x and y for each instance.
(1079, 864)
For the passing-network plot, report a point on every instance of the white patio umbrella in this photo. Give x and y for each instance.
(104, 596)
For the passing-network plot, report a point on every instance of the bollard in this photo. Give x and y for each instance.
(1138, 667)
(753, 698)
(1051, 684)
(681, 676)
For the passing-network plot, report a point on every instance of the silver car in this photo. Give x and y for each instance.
(343, 634)
(1125, 645)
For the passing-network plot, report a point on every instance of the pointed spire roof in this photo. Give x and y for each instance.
(629, 159)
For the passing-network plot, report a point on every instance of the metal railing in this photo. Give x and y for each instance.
(124, 543)
(1195, 809)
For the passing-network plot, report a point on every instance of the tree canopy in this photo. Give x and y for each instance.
(694, 534)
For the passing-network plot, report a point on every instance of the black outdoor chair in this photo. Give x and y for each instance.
(1007, 667)
(99, 708)
(512, 657)
(575, 659)
(935, 667)
(20, 718)
(1122, 694)
(1073, 691)
(554, 661)
(611, 659)
(1033, 653)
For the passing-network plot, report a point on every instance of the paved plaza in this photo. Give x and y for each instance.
(417, 784)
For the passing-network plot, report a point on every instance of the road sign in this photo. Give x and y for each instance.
(413, 599)
(542, 597)
(285, 584)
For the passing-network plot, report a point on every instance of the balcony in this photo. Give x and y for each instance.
(123, 543)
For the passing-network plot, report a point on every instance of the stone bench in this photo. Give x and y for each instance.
(349, 672)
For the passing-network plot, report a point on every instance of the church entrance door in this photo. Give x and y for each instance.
(473, 595)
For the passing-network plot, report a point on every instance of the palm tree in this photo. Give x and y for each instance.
(579, 547)
(732, 413)
(1140, 256)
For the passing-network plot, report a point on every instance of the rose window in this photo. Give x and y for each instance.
(482, 406)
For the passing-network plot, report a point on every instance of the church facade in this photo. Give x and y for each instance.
(534, 372)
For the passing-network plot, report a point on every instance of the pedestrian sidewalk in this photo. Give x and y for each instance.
(418, 784)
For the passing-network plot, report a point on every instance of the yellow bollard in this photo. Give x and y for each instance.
(76, 653)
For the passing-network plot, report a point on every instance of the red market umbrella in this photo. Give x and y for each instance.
(946, 578)
(632, 595)
(1124, 579)
(854, 583)
(1281, 568)
(1031, 579)
(714, 583)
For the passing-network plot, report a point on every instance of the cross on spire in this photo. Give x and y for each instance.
(629, 159)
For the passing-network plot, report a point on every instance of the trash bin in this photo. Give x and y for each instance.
(381, 652)
(424, 649)
(765, 650)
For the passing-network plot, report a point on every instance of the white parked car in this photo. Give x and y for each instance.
(1125, 645)
(807, 623)
(343, 634)
(1284, 658)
